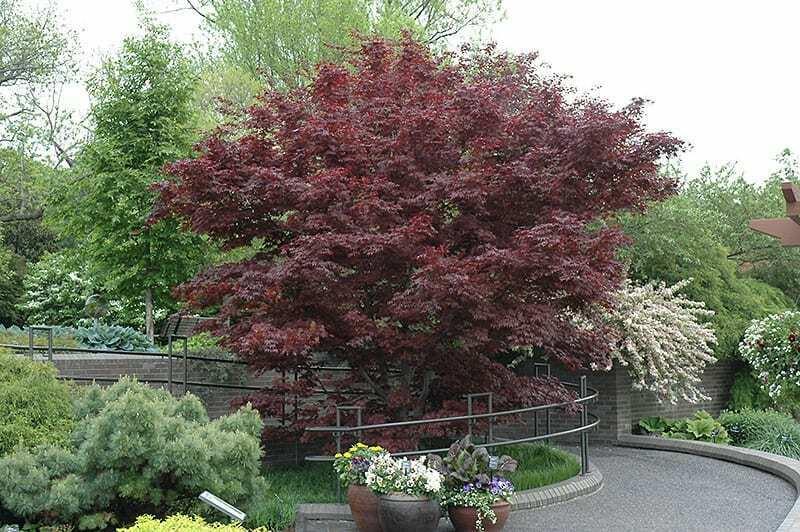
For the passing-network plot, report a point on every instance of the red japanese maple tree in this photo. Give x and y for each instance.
(422, 216)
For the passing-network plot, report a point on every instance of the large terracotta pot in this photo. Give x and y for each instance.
(405, 513)
(364, 507)
(465, 517)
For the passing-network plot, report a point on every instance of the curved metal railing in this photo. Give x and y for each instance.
(587, 422)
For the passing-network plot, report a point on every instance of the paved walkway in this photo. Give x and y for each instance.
(647, 490)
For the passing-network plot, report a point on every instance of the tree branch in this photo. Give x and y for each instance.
(197, 10)
(35, 214)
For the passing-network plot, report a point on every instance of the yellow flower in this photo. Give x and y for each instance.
(348, 455)
(376, 448)
(361, 445)
(337, 455)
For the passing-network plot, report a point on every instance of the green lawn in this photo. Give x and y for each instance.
(539, 465)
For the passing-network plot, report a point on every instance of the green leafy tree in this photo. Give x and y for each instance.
(9, 287)
(253, 45)
(274, 38)
(729, 202)
(142, 117)
(676, 240)
(24, 184)
(33, 47)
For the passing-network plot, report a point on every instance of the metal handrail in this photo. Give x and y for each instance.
(428, 421)
(498, 443)
(586, 394)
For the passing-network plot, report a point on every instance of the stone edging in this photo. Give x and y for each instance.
(337, 518)
(780, 466)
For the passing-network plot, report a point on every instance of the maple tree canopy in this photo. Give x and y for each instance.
(423, 215)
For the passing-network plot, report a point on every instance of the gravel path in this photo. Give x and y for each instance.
(667, 492)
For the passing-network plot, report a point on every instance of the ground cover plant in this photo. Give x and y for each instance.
(182, 523)
(415, 210)
(764, 430)
(102, 337)
(701, 427)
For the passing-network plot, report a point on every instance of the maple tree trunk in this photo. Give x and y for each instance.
(148, 314)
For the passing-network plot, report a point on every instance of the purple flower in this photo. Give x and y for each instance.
(360, 464)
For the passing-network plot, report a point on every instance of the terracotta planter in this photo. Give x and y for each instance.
(364, 507)
(464, 517)
(405, 513)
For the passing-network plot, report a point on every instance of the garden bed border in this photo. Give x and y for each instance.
(337, 517)
(780, 466)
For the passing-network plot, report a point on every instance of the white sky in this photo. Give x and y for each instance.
(723, 74)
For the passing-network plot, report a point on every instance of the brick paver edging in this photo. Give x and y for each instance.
(780, 466)
(337, 518)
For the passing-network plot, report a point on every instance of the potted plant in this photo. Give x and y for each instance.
(351, 468)
(476, 490)
(408, 493)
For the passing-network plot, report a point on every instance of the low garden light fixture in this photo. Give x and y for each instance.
(217, 503)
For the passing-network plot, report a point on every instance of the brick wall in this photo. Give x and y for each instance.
(112, 366)
(619, 406)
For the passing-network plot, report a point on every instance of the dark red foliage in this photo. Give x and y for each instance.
(423, 215)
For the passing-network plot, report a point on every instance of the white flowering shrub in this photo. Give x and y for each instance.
(55, 290)
(772, 348)
(665, 341)
(412, 477)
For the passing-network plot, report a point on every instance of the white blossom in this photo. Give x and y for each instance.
(665, 340)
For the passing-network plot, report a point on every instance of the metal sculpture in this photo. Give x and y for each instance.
(786, 229)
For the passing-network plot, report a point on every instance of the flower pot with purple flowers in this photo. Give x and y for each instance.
(351, 467)
(476, 491)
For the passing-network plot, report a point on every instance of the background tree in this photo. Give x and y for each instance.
(251, 45)
(687, 237)
(141, 116)
(730, 202)
(277, 39)
(424, 215)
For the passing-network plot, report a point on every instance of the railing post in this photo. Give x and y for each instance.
(491, 419)
(338, 450)
(185, 365)
(30, 342)
(294, 413)
(548, 411)
(469, 413)
(169, 363)
(584, 433)
(50, 344)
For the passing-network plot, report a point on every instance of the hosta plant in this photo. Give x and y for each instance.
(772, 348)
(352, 465)
(113, 338)
(700, 427)
(467, 463)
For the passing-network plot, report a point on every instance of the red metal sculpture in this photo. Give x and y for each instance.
(786, 229)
